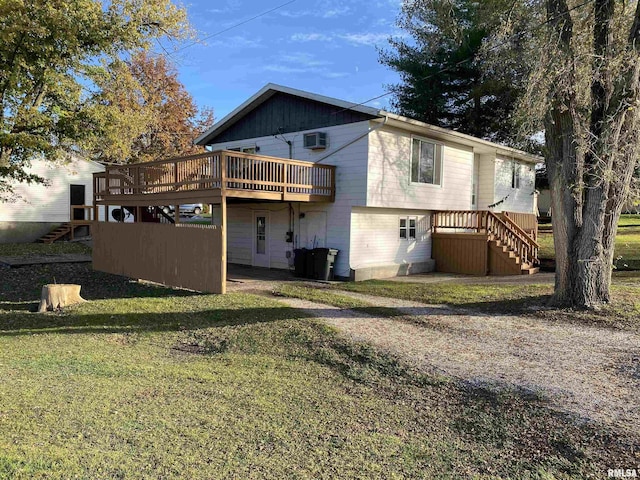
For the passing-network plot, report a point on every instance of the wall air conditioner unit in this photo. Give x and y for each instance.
(315, 140)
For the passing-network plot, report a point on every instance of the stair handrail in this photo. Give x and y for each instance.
(520, 230)
(511, 238)
(451, 219)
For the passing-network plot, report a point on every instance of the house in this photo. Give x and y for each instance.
(63, 203)
(289, 169)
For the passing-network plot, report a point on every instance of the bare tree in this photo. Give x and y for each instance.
(583, 90)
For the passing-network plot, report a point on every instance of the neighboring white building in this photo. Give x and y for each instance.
(36, 209)
(392, 173)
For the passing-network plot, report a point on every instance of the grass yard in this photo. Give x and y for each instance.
(150, 382)
(627, 241)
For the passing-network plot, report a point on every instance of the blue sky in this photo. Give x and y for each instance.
(323, 46)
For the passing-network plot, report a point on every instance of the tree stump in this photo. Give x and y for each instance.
(56, 296)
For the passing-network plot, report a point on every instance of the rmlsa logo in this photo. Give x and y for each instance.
(622, 473)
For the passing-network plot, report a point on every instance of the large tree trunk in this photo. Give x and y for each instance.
(590, 159)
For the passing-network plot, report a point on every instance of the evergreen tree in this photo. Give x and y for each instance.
(444, 79)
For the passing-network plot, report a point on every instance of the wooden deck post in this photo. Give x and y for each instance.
(176, 214)
(223, 260)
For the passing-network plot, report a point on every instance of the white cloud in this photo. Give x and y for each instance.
(357, 39)
(311, 37)
(303, 63)
(324, 10)
(334, 74)
(365, 38)
(336, 12)
(306, 59)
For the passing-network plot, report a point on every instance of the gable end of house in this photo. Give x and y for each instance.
(282, 113)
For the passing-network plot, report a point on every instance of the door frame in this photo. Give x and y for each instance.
(84, 200)
(267, 234)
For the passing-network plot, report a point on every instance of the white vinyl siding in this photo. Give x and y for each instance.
(375, 239)
(241, 233)
(351, 188)
(51, 203)
(486, 181)
(389, 175)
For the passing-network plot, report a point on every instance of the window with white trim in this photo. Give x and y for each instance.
(515, 174)
(408, 226)
(426, 162)
(249, 150)
(403, 228)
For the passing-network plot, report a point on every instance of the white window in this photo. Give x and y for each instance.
(426, 162)
(408, 228)
(249, 150)
(515, 174)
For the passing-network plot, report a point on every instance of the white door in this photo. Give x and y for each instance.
(260, 238)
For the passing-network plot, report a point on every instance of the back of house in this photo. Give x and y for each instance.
(392, 177)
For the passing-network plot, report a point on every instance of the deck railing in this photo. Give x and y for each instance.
(87, 214)
(502, 228)
(224, 170)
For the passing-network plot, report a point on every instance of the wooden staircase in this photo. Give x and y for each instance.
(507, 262)
(512, 251)
(57, 233)
(484, 243)
(68, 228)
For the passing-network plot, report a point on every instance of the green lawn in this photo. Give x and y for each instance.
(627, 248)
(150, 382)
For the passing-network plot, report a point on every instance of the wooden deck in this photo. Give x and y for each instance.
(208, 177)
(480, 242)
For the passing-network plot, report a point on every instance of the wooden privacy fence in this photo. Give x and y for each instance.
(187, 256)
(224, 170)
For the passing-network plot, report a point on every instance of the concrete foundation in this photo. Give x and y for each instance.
(24, 232)
(389, 271)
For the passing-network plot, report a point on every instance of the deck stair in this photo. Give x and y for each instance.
(57, 233)
(507, 248)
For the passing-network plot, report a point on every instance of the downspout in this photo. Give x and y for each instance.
(351, 142)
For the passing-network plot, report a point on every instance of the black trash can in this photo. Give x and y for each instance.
(300, 262)
(324, 260)
(310, 267)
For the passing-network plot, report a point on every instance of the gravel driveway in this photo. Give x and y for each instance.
(590, 372)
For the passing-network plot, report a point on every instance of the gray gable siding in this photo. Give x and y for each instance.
(283, 113)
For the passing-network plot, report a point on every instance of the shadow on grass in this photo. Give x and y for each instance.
(25, 284)
(19, 319)
(508, 307)
(77, 322)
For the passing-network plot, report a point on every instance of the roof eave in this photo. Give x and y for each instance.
(465, 139)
